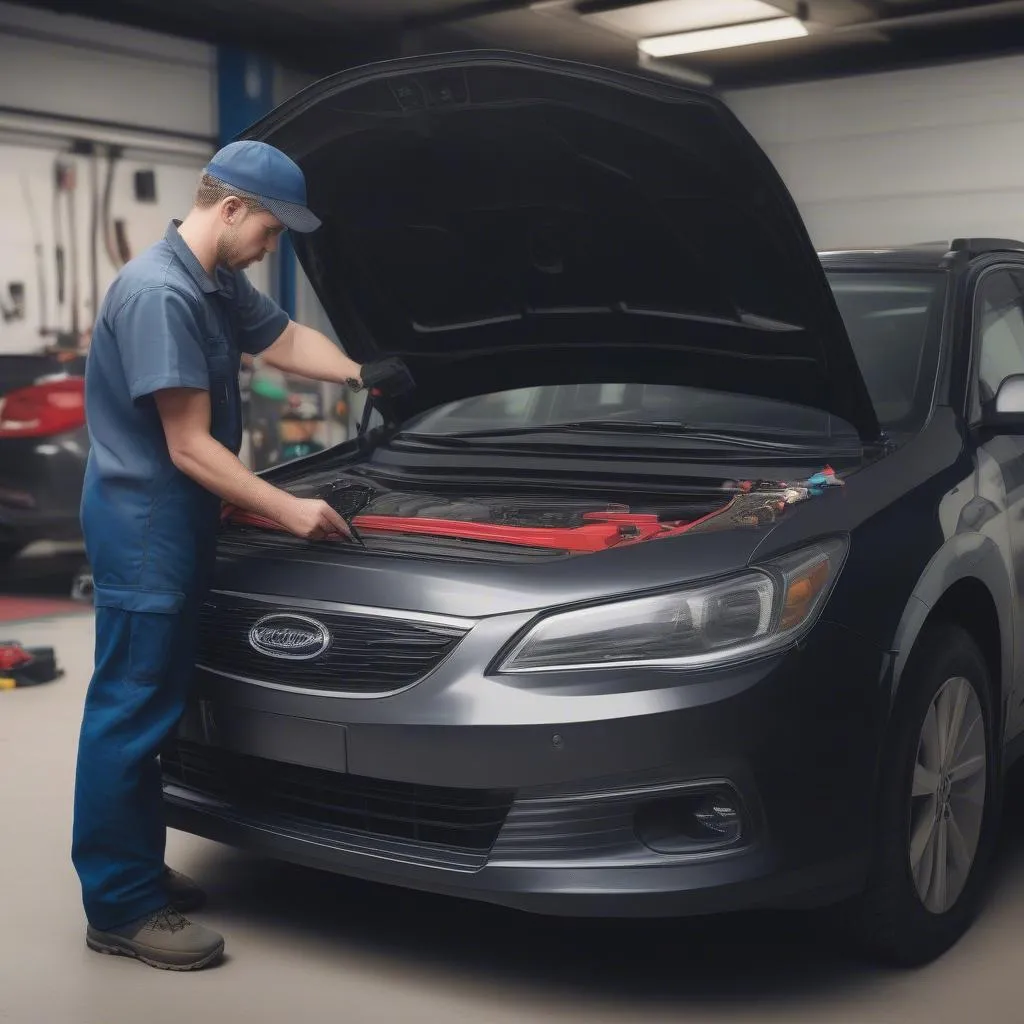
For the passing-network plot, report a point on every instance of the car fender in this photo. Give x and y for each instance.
(964, 556)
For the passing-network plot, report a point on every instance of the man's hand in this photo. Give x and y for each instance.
(185, 414)
(313, 519)
(389, 376)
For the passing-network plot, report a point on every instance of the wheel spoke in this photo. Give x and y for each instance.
(929, 754)
(923, 834)
(926, 782)
(924, 870)
(957, 706)
(959, 853)
(970, 736)
(943, 709)
(967, 769)
(940, 877)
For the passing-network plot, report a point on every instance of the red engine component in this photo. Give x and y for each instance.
(603, 529)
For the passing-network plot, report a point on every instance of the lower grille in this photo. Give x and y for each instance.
(366, 654)
(422, 824)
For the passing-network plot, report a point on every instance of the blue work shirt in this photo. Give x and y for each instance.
(164, 323)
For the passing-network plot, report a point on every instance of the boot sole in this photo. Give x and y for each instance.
(113, 947)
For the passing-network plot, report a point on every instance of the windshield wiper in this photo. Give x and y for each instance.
(764, 439)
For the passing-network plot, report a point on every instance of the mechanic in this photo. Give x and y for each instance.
(165, 425)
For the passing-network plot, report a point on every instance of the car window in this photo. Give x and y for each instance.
(1001, 331)
(892, 318)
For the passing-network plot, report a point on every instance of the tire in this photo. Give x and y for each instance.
(904, 918)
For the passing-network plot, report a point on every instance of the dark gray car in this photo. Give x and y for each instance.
(686, 577)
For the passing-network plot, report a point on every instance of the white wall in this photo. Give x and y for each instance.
(908, 156)
(69, 65)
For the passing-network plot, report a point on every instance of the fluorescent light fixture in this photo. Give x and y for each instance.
(724, 38)
(660, 17)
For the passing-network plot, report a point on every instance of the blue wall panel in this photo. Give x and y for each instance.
(245, 93)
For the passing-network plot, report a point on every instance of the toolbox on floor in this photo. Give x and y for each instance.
(26, 666)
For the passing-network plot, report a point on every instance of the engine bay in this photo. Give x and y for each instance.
(559, 524)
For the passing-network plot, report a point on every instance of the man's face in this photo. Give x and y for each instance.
(246, 236)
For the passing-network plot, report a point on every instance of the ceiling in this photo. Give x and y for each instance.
(844, 36)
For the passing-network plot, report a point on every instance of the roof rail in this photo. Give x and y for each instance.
(980, 246)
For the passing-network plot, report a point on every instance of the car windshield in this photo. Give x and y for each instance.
(892, 318)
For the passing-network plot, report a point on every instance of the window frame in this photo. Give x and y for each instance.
(974, 413)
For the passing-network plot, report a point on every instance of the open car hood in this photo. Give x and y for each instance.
(501, 221)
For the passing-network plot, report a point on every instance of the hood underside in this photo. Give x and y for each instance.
(503, 221)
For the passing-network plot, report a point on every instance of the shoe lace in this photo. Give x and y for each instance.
(168, 920)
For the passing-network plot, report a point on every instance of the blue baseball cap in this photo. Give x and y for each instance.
(269, 176)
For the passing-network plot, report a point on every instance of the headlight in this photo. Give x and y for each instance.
(755, 613)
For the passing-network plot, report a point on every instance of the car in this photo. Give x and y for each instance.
(686, 579)
(44, 446)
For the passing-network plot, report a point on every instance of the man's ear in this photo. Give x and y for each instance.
(232, 209)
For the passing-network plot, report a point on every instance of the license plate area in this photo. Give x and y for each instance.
(241, 730)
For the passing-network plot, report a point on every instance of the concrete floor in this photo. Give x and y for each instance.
(304, 946)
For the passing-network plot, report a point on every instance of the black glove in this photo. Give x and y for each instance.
(389, 376)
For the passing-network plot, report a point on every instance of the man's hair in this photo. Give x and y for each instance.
(212, 191)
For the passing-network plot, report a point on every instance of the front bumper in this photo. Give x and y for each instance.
(561, 775)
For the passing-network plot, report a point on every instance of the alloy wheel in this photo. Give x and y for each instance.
(947, 802)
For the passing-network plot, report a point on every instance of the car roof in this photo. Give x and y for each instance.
(921, 256)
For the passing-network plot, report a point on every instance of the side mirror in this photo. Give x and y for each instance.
(1006, 410)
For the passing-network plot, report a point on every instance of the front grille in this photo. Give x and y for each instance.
(424, 824)
(367, 654)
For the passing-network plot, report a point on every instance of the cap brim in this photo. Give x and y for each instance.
(293, 216)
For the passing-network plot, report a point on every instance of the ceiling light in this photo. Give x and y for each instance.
(664, 16)
(723, 38)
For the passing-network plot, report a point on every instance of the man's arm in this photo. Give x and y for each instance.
(185, 415)
(308, 353)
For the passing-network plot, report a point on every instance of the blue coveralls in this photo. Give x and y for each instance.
(149, 534)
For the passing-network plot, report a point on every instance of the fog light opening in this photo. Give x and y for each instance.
(690, 822)
(718, 816)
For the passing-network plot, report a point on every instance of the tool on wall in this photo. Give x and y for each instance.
(94, 230)
(65, 182)
(37, 246)
(59, 175)
(16, 310)
(145, 186)
(115, 233)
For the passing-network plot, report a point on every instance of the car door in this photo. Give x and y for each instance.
(999, 353)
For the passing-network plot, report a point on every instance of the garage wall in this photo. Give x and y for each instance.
(27, 208)
(65, 78)
(73, 66)
(909, 156)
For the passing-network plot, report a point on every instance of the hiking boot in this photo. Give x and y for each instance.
(165, 940)
(182, 893)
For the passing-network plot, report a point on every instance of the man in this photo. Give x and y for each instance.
(165, 425)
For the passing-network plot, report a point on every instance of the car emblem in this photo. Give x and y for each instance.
(292, 637)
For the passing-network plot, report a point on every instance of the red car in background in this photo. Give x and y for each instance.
(43, 450)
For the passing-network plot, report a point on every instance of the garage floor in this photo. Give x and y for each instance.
(304, 946)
